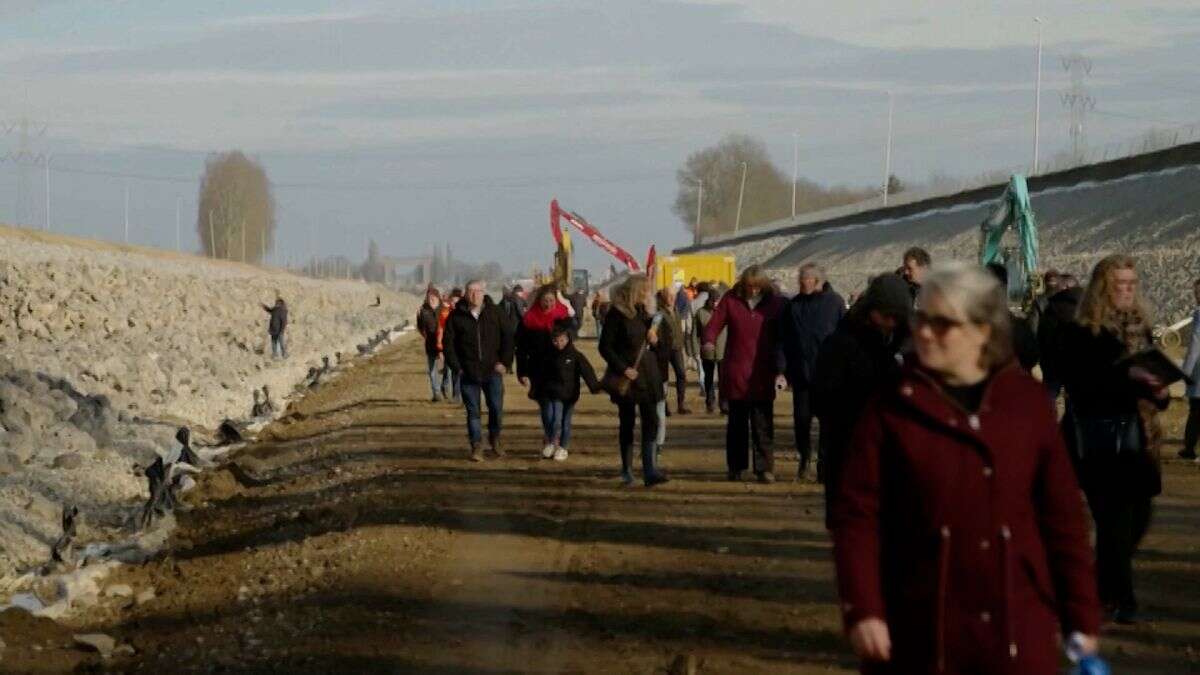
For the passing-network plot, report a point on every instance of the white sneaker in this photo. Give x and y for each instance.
(548, 451)
(560, 454)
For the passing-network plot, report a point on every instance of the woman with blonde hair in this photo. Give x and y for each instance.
(959, 536)
(1111, 422)
(632, 377)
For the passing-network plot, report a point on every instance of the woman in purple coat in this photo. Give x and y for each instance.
(750, 313)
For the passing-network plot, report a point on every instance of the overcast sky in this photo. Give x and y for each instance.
(415, 122)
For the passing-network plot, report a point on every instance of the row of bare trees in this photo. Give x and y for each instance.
(717, 172)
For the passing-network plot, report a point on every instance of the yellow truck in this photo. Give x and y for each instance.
(683, 269)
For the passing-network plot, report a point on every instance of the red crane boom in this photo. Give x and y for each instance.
(590, 232)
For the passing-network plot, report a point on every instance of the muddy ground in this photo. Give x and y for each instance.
(354, 537)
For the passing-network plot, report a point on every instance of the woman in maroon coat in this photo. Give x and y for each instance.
(750, 312)
(959, 531)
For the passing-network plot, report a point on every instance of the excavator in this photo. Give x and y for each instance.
(564, 275)
(1015, 214)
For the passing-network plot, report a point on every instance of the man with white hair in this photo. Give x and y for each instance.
(808, 319)
(478, 343)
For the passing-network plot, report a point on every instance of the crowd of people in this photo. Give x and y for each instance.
(953, 477)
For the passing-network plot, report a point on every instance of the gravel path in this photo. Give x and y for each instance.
(356, 538)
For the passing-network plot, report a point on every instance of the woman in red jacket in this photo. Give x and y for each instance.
(749, 313)
(958, 530)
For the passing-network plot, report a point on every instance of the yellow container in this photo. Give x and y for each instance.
(682, 269)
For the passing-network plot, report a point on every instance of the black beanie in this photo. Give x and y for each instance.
(888, 294)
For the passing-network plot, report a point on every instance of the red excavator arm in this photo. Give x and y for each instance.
(590, 232)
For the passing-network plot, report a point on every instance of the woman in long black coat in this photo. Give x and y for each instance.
(625, 344)
(1111, 423)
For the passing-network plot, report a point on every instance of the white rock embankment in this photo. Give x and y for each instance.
(103, 351)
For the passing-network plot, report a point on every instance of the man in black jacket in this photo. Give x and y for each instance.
(1059, 313)
(276, 325)
(853, 362)
(808, 319)
(1025, 342)
(427, 327)
(512, 305)
(913, 267)
(478, 343)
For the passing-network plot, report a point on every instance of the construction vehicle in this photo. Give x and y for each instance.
(682, 269)
(564, 275)
(664, 272)
(581, 281)
(1020, 257)
(1013, 214)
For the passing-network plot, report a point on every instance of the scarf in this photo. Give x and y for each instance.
(540, 319)
(1132, 329)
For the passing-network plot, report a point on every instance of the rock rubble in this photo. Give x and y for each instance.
(104, 353)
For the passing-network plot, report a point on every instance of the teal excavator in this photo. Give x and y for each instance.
(1008, 236)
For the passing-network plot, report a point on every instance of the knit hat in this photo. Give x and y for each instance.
(888, 294)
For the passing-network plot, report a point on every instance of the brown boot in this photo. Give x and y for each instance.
(497, 449)
(476, 452)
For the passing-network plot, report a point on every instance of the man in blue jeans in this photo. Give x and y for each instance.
(276, 327)
(478, 343)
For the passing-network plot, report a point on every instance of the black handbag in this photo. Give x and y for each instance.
(1108, 436)
(616, 384)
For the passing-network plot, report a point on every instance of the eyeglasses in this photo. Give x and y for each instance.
(940, 325)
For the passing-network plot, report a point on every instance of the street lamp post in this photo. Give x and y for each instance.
(795, 168)
(1037, 100)
(699, 210)
(737, 223)
(887, 161)
(47, 193)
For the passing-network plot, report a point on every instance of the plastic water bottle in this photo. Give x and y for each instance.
(1091, 664)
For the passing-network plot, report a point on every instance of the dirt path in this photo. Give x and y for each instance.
(355, 538)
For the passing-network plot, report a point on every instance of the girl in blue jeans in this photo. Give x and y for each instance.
(558, 390)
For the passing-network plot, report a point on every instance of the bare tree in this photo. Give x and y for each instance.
(718, 169)
(236, 214)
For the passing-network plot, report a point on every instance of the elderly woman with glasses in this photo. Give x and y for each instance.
(958, 528)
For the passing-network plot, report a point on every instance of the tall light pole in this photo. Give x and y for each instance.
(795, 168)
(699, 207)
(737, 223)
(47, 193)
(1037, 100)
(127, 213)
(177, 207)
(887, 155)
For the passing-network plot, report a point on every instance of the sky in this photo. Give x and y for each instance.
(422, 122)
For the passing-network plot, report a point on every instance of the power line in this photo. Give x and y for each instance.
(1139, 118)
(1078, 100)
(23, 159)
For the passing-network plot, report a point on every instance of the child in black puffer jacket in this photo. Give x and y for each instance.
(558, 389)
